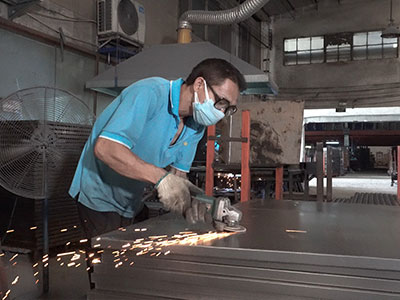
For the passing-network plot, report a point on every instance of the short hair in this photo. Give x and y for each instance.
(215, 71)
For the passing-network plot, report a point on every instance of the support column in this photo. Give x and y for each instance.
(246, 177)
(320, 172)
(279, 183)
(398, 173)
(329, 174)
(210, 160)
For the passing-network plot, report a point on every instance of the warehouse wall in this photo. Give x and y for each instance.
(31, 63)
(332, 17)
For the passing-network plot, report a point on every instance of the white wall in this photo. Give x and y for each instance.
(332, 17)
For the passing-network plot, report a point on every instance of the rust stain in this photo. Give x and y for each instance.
(265, 145)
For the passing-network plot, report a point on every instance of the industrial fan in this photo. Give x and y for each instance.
(42, 132)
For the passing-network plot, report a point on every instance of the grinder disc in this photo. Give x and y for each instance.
(237, 228)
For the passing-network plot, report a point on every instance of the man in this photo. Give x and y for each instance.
(152, 124)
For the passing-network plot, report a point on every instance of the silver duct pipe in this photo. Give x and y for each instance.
(222, 17)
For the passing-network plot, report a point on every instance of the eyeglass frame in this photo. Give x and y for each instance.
(219, 99)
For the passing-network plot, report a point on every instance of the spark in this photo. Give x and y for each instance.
(14, 264)
(46, 265)
(98, 239)
(6, 295)
(12, 258)
(75, 226)
(122, 229)
(58, 259)
(96, 246)
(295, 231)
(143, 229)
(1, 254)
(91, 255)
(35, 265)
(83, 241)
(68, 243)
(75, 257)
(37, 281)
(10, 231)
(88, 269)
(62, 264)
(96, 261)
(15, 280)
(137, 229)
(168, 252)
(71, 264)
(131, 264)
(65, 253)
(126, 245)
(77, 265)
(118, 264)
(36, 274)
(64, 230)
(33, 228)
(82, 251)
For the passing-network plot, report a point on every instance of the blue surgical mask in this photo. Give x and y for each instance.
(205, 113)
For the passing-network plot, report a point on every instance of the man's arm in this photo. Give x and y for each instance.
(123, 161)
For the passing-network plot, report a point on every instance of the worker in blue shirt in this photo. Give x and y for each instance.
(153, 124)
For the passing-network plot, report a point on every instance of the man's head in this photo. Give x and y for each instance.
(216, 87)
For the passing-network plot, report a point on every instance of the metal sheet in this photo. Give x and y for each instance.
(341, 252)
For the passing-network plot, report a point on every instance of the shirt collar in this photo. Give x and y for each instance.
(174, 95)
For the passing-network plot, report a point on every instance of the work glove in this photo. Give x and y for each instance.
(175, 192)
(198, 212)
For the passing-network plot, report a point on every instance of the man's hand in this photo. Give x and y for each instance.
(175, 192)
(198, 212)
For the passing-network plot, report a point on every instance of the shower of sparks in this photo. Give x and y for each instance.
(15, 280)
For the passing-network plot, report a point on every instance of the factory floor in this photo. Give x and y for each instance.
(377, 181)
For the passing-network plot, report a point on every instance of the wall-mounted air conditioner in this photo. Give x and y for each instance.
(121, 17)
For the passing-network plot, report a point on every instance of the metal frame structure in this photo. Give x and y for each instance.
(245, 163)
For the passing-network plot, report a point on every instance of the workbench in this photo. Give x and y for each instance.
(291, 250)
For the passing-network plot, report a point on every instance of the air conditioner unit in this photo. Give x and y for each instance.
(125, 18)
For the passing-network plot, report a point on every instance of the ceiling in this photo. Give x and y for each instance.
(279, 7)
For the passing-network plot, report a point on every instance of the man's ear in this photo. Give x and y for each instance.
(198, 84)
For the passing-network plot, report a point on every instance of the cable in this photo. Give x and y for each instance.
(61, 14)
(57, 31)
(10, 222)
(64, 19)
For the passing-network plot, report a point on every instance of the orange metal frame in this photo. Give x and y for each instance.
(245, 164)
(279, 183)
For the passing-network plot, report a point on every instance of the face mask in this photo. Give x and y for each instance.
(205, 113)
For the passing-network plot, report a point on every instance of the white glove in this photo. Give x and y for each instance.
(174, 192)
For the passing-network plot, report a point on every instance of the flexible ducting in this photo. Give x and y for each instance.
(222, 17)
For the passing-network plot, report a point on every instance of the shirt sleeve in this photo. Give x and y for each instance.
(125, 126)
(188, 150)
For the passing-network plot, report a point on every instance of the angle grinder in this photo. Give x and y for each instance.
(225, 216)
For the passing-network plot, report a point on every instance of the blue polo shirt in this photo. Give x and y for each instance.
(144, 118)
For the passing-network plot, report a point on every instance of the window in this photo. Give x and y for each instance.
(339, 47)
(302, 51)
